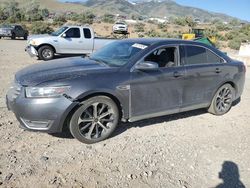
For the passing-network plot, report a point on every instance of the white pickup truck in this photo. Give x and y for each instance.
(66, 40)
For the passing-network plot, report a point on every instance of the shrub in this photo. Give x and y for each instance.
(152, 33)
(41, 28)
(108, 18)
(139, 27)
(59, 20)
(234, 44)
(180, 21)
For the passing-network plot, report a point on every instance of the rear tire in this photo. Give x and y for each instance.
(95, 120)
(222, 100)
(46, 53)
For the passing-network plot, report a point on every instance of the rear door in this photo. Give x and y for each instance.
(88, 42)
(204, 73)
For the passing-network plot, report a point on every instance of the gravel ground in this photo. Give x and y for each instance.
(184, 150)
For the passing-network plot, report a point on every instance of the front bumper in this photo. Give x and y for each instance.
(5, 34)
(31, 51)
(39, 114)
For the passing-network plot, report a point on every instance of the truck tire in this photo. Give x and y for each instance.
(46, 53)
(13, 36)
(25, 37)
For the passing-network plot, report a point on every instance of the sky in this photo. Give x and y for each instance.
(236, 8)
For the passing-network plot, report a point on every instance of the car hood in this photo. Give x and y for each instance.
(59, 69)
(38, 36)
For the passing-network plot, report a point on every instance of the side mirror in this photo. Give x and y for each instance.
(63, 35)
(147, 65)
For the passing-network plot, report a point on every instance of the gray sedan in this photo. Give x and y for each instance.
(127, 80)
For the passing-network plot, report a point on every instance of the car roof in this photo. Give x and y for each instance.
(151, 41)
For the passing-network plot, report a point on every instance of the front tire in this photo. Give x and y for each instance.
(25, 37)
(46, 53)
(95, 120)
(13, 36)
(222, 100)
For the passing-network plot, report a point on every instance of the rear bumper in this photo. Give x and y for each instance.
(31, 51)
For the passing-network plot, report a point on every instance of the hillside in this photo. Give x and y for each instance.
(159, 8)
(52, 5)
(163, 8)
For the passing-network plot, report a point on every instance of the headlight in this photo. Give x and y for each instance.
(33, 42)
(44, 92)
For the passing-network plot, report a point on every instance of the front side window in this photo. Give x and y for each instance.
(73, 33)
(164, 57)
(199, 55)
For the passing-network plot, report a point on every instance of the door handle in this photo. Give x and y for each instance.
(178, 74)
(217, 70)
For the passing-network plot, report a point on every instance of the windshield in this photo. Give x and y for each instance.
(59, 31)
(6, 26)
(117, 53)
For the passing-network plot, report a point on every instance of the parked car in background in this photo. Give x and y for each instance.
(66, 40)
(13, 31)
(120, 27)
(127, 80)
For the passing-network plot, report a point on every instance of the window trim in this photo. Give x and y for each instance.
(197, 45)
(161, 46)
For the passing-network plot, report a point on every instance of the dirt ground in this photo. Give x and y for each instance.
(186, 150)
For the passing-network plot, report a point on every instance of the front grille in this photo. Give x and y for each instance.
(14, 91)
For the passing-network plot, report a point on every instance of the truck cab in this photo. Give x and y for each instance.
(66, 40)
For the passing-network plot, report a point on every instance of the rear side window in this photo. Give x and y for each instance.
(73, 33)
(212, 58)
(87, 33)
(199, 55)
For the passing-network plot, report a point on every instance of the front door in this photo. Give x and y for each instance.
(157, 92)
(71, 41)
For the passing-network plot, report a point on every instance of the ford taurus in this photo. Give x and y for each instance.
(127, 80)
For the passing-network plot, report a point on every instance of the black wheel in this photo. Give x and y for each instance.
(25, 37)
(222, 100)
(46, 53)
(13, 36)
(94, 120)
(0, 37)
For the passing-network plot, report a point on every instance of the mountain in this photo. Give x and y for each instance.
(151, 8)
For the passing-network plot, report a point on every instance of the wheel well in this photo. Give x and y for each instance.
(232, 84)
(115, 99)
(47, 45)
